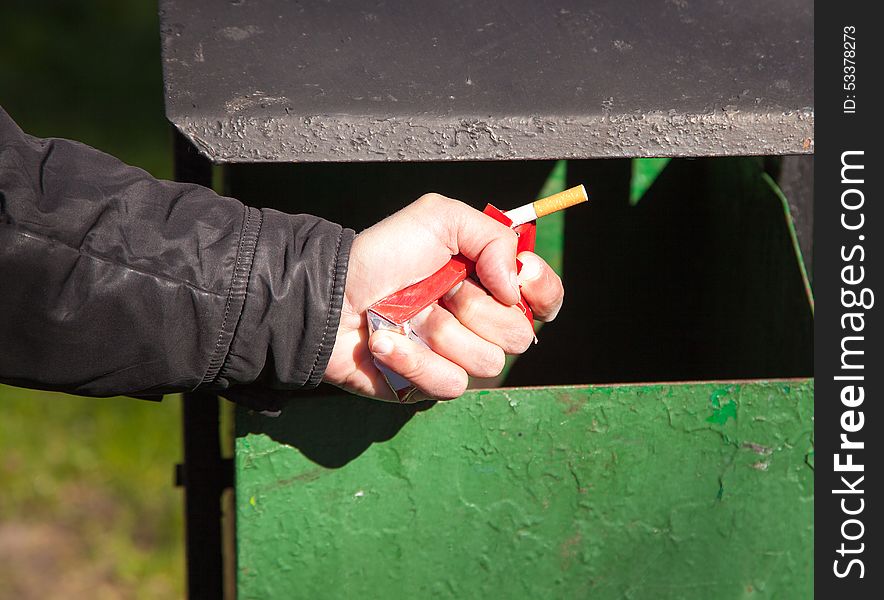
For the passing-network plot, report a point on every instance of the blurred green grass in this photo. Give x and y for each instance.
(95, 476)
(87, 506)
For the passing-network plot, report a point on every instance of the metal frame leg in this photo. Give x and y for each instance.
(204, 473)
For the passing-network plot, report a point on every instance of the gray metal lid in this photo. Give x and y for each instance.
(279, 80)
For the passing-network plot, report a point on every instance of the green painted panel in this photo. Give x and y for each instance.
(658, 491)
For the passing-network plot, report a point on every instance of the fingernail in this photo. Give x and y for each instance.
(381, 344)
(530, 266)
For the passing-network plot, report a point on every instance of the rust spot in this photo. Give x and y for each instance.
(757, 448)
(306, 476)
(570, 403)
(311, 475)
(807, 143)
(568, 549)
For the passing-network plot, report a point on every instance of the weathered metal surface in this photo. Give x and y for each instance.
(344, 80)
(657, 491)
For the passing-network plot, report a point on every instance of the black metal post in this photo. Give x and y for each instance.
(203, 472)
(202, 476)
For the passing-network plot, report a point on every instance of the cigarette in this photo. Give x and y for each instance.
(545, 206)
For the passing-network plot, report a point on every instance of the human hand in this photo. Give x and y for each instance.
(468, 331)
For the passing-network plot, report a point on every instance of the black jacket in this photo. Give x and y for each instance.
(113, 282)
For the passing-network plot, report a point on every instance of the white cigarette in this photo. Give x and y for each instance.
(545, 206)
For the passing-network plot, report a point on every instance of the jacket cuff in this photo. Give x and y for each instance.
(291, 308)
(335, 304)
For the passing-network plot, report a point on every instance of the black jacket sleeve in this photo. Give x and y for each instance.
(113, 282)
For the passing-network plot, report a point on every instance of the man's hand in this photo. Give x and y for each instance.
(469, 330)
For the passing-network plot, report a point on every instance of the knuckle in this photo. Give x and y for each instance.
(502, 240)
(431, 199)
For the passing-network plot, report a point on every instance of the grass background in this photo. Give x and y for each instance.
(87, 505)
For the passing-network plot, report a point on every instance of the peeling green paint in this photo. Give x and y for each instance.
(567, 492)
(722, 412)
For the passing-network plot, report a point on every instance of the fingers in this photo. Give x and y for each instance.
(491, 245)
(503, 326)
(448, 337)
(433, 374)
(541, 287)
